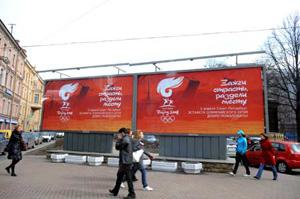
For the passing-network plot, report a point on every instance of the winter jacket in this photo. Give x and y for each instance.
(268, 154)
(15, 145)
(241, 147)
(125, 148)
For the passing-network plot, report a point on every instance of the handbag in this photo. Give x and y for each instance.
(137, 155)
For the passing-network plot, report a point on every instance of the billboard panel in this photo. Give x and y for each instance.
(207, 102)
(98, 104)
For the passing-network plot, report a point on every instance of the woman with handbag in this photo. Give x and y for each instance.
(14, 148)
(138, 152)
(139, 164)
(268, 157)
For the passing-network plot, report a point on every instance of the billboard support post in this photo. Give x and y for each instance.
(134, 102)
(267, 126)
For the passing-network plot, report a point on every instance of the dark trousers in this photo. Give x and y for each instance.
(238, 158)
(124, 170)
(12, 165)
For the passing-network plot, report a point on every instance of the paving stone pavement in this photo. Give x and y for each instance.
(41, 179)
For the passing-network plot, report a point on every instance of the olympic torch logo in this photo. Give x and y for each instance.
(65, 93)
(165, 88)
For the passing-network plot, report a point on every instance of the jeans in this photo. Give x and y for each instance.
(140, 166)
(261, 168)
(238, 158)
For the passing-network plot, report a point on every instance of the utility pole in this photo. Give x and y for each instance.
(11, 27)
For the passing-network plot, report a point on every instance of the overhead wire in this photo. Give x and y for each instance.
(153, 37)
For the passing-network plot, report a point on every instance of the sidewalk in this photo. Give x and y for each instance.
(41, 179)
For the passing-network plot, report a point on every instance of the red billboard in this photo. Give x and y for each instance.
(203, 102)
(98, 104)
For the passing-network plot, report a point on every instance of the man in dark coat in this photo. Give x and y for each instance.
(124, 145)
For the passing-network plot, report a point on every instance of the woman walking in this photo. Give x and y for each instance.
(14, 147)
(268, 157)
(241, 150)
(139, 145)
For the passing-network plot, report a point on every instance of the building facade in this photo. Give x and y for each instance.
(19, 84)
(31, 102)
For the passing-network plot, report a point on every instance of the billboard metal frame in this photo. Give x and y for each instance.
(135, 88)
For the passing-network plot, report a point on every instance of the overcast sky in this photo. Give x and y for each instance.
(62, 21)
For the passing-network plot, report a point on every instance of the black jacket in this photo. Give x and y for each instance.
(15, 145)
(126, 148)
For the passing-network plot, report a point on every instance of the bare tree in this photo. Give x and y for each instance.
(283, 48)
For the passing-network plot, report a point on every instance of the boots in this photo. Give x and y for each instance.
(13, 171)
(8, 169)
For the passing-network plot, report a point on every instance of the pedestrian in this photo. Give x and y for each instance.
(125, 147)
(268, 157)
(14, 148)
(138, 146)
(241, 150)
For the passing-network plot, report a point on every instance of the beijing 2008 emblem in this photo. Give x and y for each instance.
(65, 92)
(167, 112)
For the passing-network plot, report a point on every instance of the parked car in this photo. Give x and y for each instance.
(46, 136)
(38, 139)
(28, 140)
(60, 134)
(287, 155)
(150, 139)
(231, 147)
(3, 143)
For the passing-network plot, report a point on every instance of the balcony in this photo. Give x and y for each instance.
(35, 106)
(4, 59)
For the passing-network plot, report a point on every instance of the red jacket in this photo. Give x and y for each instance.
(268, 154)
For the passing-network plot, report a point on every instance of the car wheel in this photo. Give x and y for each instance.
(282, 167)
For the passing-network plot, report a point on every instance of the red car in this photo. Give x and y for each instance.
(287, 155)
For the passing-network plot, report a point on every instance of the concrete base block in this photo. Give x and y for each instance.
(164, 166)
(95, 161)
(58, 158)
(75, 159)
(191, 168)
(113, 162)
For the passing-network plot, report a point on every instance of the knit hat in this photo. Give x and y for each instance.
(240, 132)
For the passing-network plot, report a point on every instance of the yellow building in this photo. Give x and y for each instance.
(21, 88)
(31, 102)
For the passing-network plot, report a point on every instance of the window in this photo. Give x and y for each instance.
(36, 98)
(13, 62)
(4, 50)
(17, 87)
(296, 148)
(3, 105)
(1, 75)
(278, 146)
(17, 111)
(8, 108)
(11, 82)
(6, 79)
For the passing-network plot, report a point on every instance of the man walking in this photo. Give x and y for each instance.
(124, 145)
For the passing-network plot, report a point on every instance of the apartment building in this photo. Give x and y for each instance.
(31, 102)
(19, 85)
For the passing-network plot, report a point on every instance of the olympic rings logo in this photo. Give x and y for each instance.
(167, 118)
(64, 116)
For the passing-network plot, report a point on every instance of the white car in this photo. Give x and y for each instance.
(46, 137)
